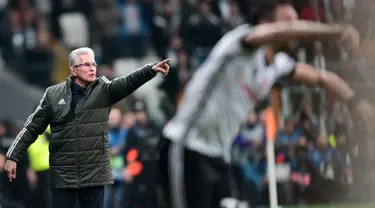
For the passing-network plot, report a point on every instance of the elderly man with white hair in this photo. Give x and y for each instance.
(77, 111)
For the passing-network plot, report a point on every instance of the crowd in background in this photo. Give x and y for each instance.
(320, 166)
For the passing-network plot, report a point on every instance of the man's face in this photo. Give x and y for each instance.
(85, 68)
(287, 13)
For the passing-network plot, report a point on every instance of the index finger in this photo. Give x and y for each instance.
(165, 61)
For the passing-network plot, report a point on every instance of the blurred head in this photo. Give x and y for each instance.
(106, 71)
(3, 128)
(289, 125)
(204, 7)
(321, 141)
(302, 141)
(128, 120)
(43, 38)
(176, 42)
(233, 8)
(140, 112)
(252, 117)
(167, 9)
(83, 66)
(274, 11)
(115, 118)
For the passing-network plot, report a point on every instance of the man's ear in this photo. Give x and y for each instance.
(73, 71)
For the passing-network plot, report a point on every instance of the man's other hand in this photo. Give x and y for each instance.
(350, 38)
(11, 167)
(363, 116)
(3, 159)
(162, 67)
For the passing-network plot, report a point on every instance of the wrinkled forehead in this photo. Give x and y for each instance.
(86, 58)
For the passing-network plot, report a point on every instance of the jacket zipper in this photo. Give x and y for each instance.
(76, 141)
(75, 111)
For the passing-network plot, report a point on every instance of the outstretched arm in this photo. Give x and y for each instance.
(121, 87)
(362, 110)
(308, 74)
(299, 30)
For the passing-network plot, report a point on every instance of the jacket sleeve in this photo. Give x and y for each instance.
(35, 125)
(121, 87)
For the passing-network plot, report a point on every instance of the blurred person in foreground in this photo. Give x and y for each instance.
(117, 135)
(248, 61)
(78, 110)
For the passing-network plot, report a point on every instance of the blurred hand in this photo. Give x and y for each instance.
(350, 38)
(162, 67)
(11, 168)
(3, 159)
(363, 116)
(32, 178)
(365, 111)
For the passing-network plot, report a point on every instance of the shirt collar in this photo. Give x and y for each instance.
(76, 88)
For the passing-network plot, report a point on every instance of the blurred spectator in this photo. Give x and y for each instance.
(39, 60)
(173, 84)
(289, 135)
(161, 25)
(114, 193)
(61, 7)
(203, 31)
(321, 155)
(234, 18)
(134, 29)
(128, 120)
(256, 181)
(143, 137)
(107, 71)
(245, 162)
(106, 20)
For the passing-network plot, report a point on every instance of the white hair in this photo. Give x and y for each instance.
(73, 56)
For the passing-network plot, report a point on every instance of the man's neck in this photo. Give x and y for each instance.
(80, 83)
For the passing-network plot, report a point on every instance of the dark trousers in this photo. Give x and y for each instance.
(92, 197)
(206, 179)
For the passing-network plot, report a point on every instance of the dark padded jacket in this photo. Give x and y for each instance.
(79, 153)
